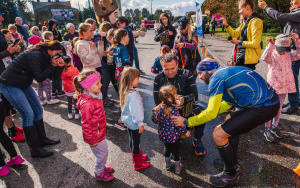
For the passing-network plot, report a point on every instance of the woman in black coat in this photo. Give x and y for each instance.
(166, 33)
(39, 63)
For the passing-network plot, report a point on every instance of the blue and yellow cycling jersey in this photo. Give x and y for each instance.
(241, 86)
(120, 55)
(236, 86)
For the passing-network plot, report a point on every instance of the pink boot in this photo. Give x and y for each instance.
(104, 176)
(4, 171)
(16, 161)
(144, 157)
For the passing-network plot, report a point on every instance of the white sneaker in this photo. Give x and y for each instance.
(70, 116)
(53, 101)
(43, 102)
(77, 116)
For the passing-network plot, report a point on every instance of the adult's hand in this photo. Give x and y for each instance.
(235, 41)
(262, 4)
(12, 49)
(180, 45)
(61, 62)
(224, 22)
(178, 121)
(295, 36)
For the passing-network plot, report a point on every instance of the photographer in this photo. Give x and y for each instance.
(38, 63)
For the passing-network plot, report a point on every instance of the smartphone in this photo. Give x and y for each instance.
(16, 42)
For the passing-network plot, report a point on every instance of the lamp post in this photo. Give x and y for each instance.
(151, 9)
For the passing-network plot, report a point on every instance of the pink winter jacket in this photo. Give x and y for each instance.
(280, 75)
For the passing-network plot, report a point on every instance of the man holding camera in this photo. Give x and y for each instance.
(183, 80)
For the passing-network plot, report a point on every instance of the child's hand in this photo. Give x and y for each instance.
(92, 44)
(104, 53)
(270, 40)
(141, 129)
(295, 36)
(94, 144)
(188, 134)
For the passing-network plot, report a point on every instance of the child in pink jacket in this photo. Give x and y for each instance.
(93, 121)
(279, 57)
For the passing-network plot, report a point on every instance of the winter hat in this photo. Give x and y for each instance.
(182, 23)
(283, 43)
(207, 65)
(34, 40)
(66, 44)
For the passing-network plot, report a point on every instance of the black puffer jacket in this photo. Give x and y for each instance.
(28, 66)
(163, 38)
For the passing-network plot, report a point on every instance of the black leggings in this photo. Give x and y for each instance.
(134, 140)
(111, 73)
(71, 100)
(4, 139)
(172, 148)
(249, 118)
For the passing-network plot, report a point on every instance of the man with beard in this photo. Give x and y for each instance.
(240, 87)
(183, 80)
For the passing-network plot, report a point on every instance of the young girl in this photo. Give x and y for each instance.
(67, 77)
(167, 131)
(156, 68)
(133, 114)
(90, 55)
(120, 52)
(88, 91)
(279, 56)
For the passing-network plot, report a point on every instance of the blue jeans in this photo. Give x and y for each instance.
(294, 97)
(25, 101)
(136, 58)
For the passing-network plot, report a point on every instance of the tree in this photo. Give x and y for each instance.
(137, 15)
(127, 14)
(86, 13)
(145, 12)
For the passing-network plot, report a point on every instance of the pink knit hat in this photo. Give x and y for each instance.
(90, 80)
(34, 40)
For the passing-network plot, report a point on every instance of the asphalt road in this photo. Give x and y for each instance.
(72, 165)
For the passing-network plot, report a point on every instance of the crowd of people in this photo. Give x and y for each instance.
(80, 65)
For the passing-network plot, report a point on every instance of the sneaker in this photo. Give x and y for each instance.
(19, 129)
(199, 148)
(289, 110)
(268, 136)
(43, 102)
(277, 133)
(104, 177)
(70, 116)
(218, 163)
(77, 116)
(16, 161)
(53, 101)
(53, 95)
(61, 94)
(108, 169)
(121, 126)
(4, 171)
(223, 179)
(19, 137)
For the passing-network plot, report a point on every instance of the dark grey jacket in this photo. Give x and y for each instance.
(291, 20)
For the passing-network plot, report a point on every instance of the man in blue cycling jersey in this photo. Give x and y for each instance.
(240, 87)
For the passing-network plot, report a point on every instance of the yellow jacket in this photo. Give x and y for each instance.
(254, 34)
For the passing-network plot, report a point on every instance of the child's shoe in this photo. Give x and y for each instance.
(77, 116)
(139, 163)
(178, 167)
(104, 176)
(268, 136)
(70, 116)
(16, 161)
(169, 163)
(108, 169)
(4, 170)
(61, 94)
(144, 156)
(276, 132)
(16, 134)
(199, 148)
(43, 102)
(19, 129)
(53, 101)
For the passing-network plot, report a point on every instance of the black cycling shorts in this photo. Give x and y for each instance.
(247, 119)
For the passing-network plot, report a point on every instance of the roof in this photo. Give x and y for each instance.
(39, 5)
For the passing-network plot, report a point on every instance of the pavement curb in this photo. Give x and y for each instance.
(214, 55)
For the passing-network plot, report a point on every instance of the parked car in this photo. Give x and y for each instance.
(148, 24)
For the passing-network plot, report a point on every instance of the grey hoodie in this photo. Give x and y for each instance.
(291, 20)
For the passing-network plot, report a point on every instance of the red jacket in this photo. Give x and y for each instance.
(67, 77)
(93, 120)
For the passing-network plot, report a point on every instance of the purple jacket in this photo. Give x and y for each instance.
(76, 60)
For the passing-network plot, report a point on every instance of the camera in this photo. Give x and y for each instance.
(66, 59)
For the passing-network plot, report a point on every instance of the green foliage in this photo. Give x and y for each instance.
(86, 13)
(145, 12)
